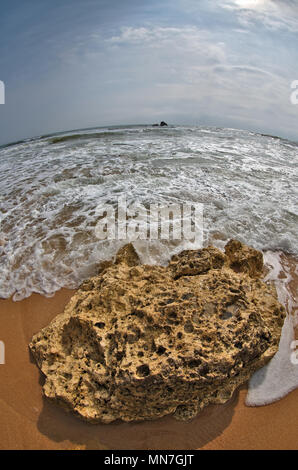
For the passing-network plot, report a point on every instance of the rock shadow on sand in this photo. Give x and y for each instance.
(164, 433)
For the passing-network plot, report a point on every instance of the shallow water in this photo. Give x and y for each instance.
(50, 188)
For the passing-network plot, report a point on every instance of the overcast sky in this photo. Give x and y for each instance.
(70, 64)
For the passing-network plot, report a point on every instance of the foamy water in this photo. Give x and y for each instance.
(280, 376)
(50, 188)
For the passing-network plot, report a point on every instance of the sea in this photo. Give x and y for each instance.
(51, 187)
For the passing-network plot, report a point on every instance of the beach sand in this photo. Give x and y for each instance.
(28, 421)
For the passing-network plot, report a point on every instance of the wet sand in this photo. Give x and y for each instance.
(30, 422)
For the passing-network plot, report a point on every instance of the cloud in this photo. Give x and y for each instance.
(146, 72)
(187, 38)
(274, 14)
(198, 75)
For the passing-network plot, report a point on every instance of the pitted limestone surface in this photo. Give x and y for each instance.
(139, 342)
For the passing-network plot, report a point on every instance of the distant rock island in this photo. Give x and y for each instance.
(138, 342)
(162, 124)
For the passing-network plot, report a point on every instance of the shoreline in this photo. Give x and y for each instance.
(28, 421)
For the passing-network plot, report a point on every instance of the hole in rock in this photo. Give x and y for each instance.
(226, 315)
(188, 327)
(161, 350)
(143, 371)
(204, 370)
(119, 355)
(194, 363)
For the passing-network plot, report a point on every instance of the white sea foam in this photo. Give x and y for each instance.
(280, 376)
(50, 188)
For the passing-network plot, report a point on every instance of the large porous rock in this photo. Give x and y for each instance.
(139, 342)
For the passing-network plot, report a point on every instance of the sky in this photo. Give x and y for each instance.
(71, 64)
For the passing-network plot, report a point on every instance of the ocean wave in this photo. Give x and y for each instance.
(49, 195)
(95, 135)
